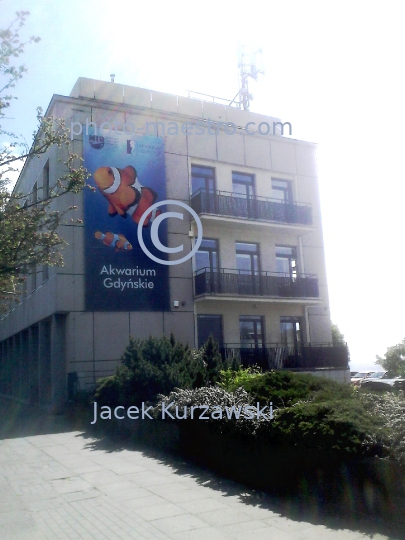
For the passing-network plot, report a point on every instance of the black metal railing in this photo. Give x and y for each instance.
(273, 284)
(223, 203)
(278, 357)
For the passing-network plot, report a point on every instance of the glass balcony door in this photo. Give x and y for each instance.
(286, 261)
(243, 193)
(290, 329)
(251, 332)
(248, 266)
(207, 266)
(209, 325)
(281, 191)
(203, 186)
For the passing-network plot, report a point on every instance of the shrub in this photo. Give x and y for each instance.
(231, 379)
(212, 359)
(390, 409)
(337, 427)
(107, 391)
(283, 388)
(155, 366)
(214, 397)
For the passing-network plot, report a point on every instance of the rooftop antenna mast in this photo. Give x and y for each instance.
(250, 63)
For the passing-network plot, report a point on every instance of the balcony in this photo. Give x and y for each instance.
(226, 281)
(278, 357)
(222, 203)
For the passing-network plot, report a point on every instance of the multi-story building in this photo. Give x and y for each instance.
(242, 193)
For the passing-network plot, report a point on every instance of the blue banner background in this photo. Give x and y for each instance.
(147, 156)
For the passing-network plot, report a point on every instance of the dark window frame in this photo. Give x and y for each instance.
(210, 250)
(293, 273)
(207, 178)
(46, 181)
(35, 194)
(248, 184)
(287, 191)
(240, 251)
(257, 320)
(206, 316)
(297, 335)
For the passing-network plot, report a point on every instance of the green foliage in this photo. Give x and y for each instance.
(28, 223)
(212, 359)
(282, 388)
(310, 414)
(108, 391)
(394, 359)
(338, 426)
(335, 427)
(390, 409)
(231, 379)
(151, 367)
(337, 337)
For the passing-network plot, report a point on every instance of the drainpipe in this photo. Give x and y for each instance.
(302, 266)
(307, 323)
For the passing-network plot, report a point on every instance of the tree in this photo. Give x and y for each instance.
(212, 359)
(394, 359)
(337, 337)
(29, 221)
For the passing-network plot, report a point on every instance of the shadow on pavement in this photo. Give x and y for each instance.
(21, 420)
(307, 504)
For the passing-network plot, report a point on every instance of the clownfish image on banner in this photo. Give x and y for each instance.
(124, 193)
(116, 241)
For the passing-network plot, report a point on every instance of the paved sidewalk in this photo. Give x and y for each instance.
(62, 484)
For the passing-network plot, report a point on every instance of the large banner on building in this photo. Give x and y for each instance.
(127, 178)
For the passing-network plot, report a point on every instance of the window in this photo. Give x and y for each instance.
(35, 193)
(33, 280)
(248, 266)
(203, 189)
(281, 190)
(290, 329)
(251, 331)
(243, 185)
(24, 285)
(286, 260)
(202, 178)
(46, 181)
(207, 255)
(207, 267)
(247, 258)
(243, 195)
(45, 272)
(209, 324)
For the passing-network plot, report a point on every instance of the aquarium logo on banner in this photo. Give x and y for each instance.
(125, 224)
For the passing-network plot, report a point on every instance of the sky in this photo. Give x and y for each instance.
(334, 70)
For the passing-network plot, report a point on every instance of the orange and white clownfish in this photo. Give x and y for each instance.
(116, 241)
(125, 195)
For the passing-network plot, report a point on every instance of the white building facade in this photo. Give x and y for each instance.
(257, 281)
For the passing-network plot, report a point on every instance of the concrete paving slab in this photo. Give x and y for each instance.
(71, 485)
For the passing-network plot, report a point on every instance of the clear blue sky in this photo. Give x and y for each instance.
(333, 69)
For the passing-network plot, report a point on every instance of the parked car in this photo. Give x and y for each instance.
(359, 376)
(383, 380)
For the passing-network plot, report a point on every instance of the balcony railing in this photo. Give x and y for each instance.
(235, 282)
(276, 356)
(222, 203)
